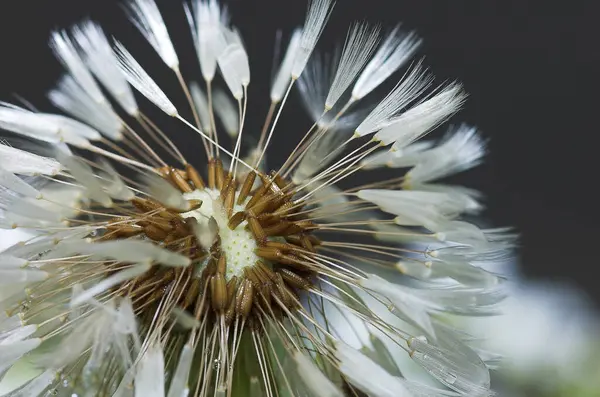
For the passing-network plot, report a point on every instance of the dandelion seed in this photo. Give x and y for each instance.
(144, 274)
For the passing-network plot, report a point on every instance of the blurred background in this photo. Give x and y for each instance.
(531, 70)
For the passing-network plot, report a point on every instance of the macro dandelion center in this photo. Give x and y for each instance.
(140, 273)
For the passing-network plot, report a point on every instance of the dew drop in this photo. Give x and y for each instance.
(450, 378)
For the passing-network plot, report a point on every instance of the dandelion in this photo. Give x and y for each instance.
(146, 275)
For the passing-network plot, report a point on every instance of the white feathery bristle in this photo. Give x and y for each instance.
(100, 59)
(22, 276)
(228, 64)
(84, 175)
(206, 233)
(109, 282)
(462, 149)
(163, 192)
(367, 375)
(146, 17)
(180, 377)
(19, 210)
(18, 185)
(71, 98)
(113, 184)
(463, 233)
(65, 51)
(313, 378)
(71, 129)
(406, 306)
(284, 74)
(405, 157)
(137, 77)
(21, 162)
(150, 373)
(134, 251)
(391, 55)
(12, 352)
(316, 18)
(455, 370)
(406, 91)
(235, 56)
(10, 262)
(17, 335)
(29, 124)
(468, 198)
(415, 208)
(201, 103)
(359, 46)
(465, 274)
(206, 21)
(422, 118)
(415, 269)
(36, 386)
(227, 111)
(314, 84)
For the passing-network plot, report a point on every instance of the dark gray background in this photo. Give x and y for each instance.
(530, 68)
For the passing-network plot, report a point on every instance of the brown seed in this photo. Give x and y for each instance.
(195, 177)
(158, 222)
(283, 247)
(306, 243)
(218, 290)
(271, 254)
(257, 230)
(236, 219)
(193, 205)
(294, 279)
(231, 289)
(178, 180)
(246, 187)
(170, 238)
(230, 312)
(261, 205)
(268, 219)
(260, 192)
(164, 171)
(277, 229)
(286, 208)
(278, 179)
(212, 173)
(191, 294)
(282, 291)
(127, 231)
(226, 182)
(244, 299)
(144, 205)
(222, 264)
(314, 239)
(180, 227)
(219, 174)
(229, 200)
(292, 260)
(155, 233)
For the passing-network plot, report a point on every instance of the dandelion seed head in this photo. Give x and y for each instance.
(144, 273)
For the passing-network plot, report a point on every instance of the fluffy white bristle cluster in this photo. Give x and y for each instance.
(138, 272)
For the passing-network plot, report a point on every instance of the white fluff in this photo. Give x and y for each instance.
(71, 98)
(230, 62)
(284, 74)
(22, 276)
(201, 103)
(18, 185)
(405, 92)
(100, 59)
(406, 306)
(65, 51)
(150, 374)
(235, 57)
(405, 157)
(419, 120)
(137, 77)
(227, 111)
(206, 21)
(10, 262)
(163, 192)
(130, 251)
(180, 377)
(455, 370)
(109, 282)
(462, 149)
(84, 174)
(391, 55)
(359, 46)
(36, 386)
(367, 375)
(313, 378)
(12, 352)
(113, 184)
(316, 18)
(21, 162)
(146, 17)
